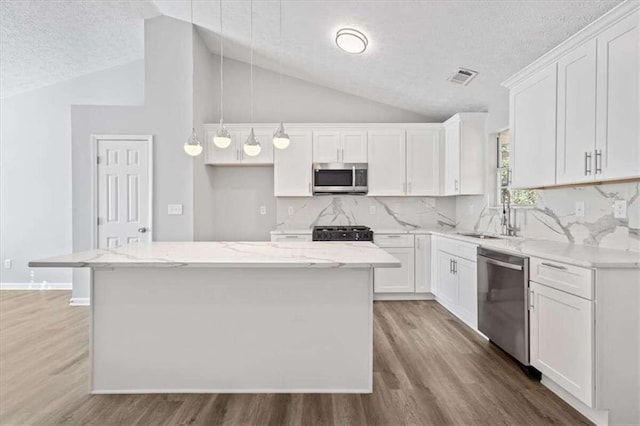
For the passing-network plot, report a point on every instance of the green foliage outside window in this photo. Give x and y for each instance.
(519, 197)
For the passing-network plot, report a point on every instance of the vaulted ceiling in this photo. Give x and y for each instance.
(414, 45)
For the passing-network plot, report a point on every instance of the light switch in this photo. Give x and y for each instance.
(7, 264)
(372, 209)
(290, 211)
(579, 208)
(174, 209)
(620, 209)
(263, 210)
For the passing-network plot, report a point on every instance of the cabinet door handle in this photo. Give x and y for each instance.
(409, 188)
(338, 154)
(587, 163)
(342, 155)
(598, 161)
(455, 266)
(531, 298)
(509, 176)
(551, 265)
(451, 266)
(455, 183)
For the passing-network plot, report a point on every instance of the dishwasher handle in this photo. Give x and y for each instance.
(499, 263)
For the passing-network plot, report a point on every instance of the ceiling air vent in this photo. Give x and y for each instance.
(463, 76)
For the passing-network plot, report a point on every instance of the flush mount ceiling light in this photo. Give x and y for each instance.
(351, 40)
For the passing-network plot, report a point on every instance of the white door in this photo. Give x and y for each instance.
(396, 280)
(354, 146)
(561, 336)
(292, 166)
(618, 115)
(326, 146)
(447, 282)
(265, 137)
(423, 263)
(387, 157)
(124, 191)
(577, 114)
(452, 159)
(466, 274)
(423, 162)
(533, 130)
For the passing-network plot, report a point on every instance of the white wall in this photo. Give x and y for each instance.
(35, 166)
(167, 115)
(303, 102)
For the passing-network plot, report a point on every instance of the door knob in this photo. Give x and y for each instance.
(142, 230)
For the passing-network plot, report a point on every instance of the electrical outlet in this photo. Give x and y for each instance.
(579, 209)
(620, 209)
(372, 209)
(7, 264)
(290, 211)
(174, 209)
(263, 210)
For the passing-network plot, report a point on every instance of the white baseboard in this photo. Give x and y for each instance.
(403, 296)
(35, 286)
(599, 417)
(79, 301)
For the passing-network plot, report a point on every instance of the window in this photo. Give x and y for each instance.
(518, 197)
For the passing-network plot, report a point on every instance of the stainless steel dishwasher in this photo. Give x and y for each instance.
(503, 305)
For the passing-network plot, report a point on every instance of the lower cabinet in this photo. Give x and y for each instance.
(396, 280)
(423, 263)
(455, 278)
(291, 238)
(561, 339)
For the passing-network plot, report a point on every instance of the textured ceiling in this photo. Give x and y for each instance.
(414, 45)
(44, 42)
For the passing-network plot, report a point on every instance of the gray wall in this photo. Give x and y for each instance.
(35, 166)
(303, 102)
(167, 115)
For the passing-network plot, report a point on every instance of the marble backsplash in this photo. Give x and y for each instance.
(401, 213)
(554, 218)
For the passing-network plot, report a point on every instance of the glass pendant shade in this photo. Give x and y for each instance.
(280, 138)
(222, 138)
(192, 146)
(252, 146)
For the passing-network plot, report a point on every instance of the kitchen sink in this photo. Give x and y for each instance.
(481, 236)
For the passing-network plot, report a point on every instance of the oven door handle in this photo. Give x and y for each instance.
(353, 178)
(499, 263)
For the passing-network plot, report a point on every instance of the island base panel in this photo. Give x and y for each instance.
(212, 330)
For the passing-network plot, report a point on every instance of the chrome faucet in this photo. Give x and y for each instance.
(509, 227)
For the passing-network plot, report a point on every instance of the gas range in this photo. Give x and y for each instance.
(342, 233)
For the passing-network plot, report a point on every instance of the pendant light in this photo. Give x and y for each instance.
(251, 146)
(192, 146)
(280, 138)
(222, 138)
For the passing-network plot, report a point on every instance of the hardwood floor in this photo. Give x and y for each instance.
(429, 368)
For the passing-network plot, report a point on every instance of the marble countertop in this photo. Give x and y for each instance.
(573, 254)
(229, 254)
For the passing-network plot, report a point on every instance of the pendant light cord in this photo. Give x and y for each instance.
(193, 71)
(221, 67)
(251, 58)
(281, 44)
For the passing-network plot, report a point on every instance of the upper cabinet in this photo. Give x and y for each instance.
(423, 161)
(575, 112)
(292, 166)
(387, 162)
(234, 154)
(340, 146)
(464, 166)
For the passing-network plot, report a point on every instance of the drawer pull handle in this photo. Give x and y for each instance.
(551, 265)
(292, 236)
(394, 236)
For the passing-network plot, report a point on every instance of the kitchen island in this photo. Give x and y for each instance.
(222, 317)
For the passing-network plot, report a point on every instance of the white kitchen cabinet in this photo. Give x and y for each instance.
(423, 162)
(618, 101)
(561, 339)
(533, 130)
(576, 115)
(467, 275)
(340, 146)
(292, 166)
(387, 162)
(464, 168)
(447, 283)
(234, 155)
(396, 280)
(423, 263)
(291, 238)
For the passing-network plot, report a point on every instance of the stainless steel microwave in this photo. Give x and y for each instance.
(340, 178)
